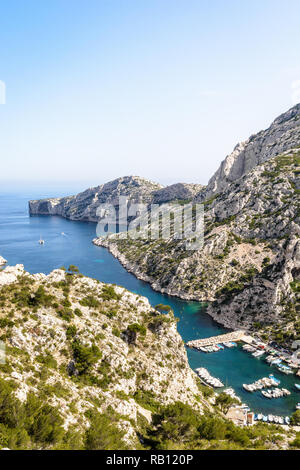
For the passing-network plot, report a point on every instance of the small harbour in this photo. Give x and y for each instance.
(68, 242)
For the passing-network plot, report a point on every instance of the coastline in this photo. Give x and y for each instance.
(135, 270)
(2, 261)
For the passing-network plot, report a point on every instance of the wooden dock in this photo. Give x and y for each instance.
(235, 336)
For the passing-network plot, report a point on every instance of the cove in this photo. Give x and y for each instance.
(68, 242)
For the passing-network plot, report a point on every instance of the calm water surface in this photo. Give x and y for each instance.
(19, 235)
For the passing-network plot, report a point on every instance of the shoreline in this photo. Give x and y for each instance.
(135, 270)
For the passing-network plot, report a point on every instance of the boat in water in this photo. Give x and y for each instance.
(275, 380)
(208, 379)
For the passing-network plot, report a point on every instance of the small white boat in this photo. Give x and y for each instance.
(41, 242)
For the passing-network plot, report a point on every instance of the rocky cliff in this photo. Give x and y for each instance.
(85, 347)
(282, 135)
(84, 205)
(249, 265)
(93, 366)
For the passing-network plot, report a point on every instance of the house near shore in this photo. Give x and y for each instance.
(240, 416)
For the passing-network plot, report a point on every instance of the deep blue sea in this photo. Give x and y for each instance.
(68, 242)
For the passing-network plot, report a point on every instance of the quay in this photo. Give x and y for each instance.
(238, 335)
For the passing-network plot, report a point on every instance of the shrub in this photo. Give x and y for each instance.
(85, 356)
(109, 293)
(48, 360)
(71, 331)
(103, 434)
(89, 301)
(295, 418)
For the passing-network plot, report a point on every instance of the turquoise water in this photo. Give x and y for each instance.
(19, 235)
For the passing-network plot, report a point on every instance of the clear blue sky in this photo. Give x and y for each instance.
(164, 89)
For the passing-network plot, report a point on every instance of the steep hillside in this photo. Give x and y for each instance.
(84, 347)
(84, 205)
(249, 263)
(282, 135)
(93, 366)
(177, 192)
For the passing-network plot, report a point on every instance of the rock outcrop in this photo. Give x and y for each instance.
(282, 135)
(84, 205)
(68, 335)
(2, 261)
(177, 192)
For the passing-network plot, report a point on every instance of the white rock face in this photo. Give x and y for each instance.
(2, 261)
(250, 255)
(10, 274)
(282, 135)
(151, 359)
(84, 206)
(178, 191)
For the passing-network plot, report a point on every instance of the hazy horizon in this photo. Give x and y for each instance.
(161, 90)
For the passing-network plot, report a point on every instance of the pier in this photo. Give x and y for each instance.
(235, 336)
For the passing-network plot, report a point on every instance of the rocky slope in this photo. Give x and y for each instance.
(177, 192)
(84, 205)
(249, 265)
(282, 135)
(83, 346)
(93, 366)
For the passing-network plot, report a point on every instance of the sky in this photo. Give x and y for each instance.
(164, 89)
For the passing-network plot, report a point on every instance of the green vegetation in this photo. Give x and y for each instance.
(109, 293)
(136, 328)
(225, 401)
(90, 301)
(28, 425)
(178, 426)
(85, 357)
(103, 433)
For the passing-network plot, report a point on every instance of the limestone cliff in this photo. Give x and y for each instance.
(249, 265)
(282, 135)
(84, 205)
